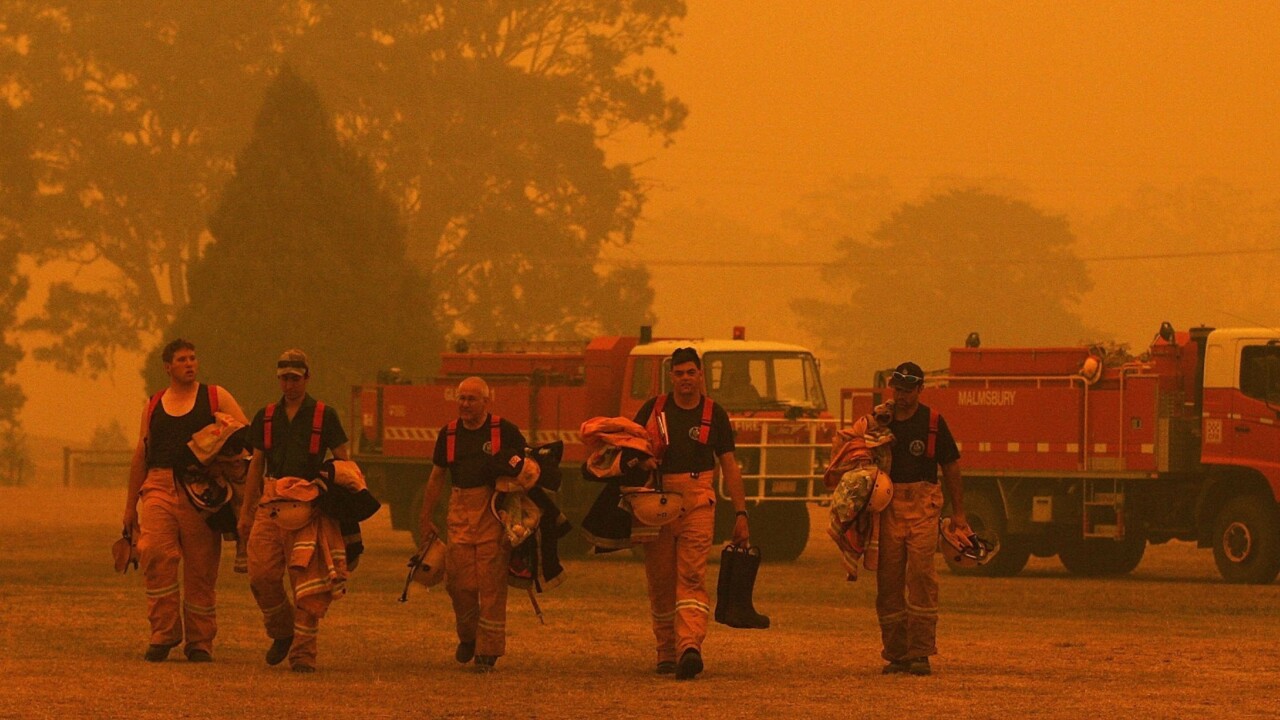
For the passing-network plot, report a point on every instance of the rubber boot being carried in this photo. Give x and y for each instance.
(728, 560)
(741, 612)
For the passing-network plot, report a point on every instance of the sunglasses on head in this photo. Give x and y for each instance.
(906, 379)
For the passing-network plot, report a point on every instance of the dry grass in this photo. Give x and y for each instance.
(1170, 641)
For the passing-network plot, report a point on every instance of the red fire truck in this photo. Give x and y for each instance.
(772, 392)
(1067, 454)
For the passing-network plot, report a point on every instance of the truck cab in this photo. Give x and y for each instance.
(775, 400)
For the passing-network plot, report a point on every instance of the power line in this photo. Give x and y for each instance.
(815, 264)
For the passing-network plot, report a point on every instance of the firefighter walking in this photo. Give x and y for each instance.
(287, 534)
(690, 434)
(473, 451)
(907, 581)
(171, 531)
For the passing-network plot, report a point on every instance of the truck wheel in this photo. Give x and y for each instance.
(1246, 541)
(781, 529)
(1097, 557)
(987, 520)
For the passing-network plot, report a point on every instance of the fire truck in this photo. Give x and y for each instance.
(771, 391)
(1067, 452)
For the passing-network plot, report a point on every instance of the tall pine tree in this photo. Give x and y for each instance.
(308, 252)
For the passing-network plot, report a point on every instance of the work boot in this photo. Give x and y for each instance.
(690, 665)
(486, 663)
(741, 612)
(279, 650)
(897, 667)
(666, 667)
(920, 666)
(465, 651)
(728, 560)
(199, 656)
(303, 669)
(157, 653)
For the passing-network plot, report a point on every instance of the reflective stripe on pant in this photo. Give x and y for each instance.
(476, 571)
(173, 532)
(269, 548)
(675, 568)
(907, 581)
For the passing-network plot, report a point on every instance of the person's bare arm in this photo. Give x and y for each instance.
(252, 494)
(953, 485)
(228, 405)
(738, 496)
(342, 452)
(137, 472)
(431, 497)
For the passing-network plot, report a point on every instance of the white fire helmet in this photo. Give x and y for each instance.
(291, 514)
(962, 551)
(654, 507)
(428, 567)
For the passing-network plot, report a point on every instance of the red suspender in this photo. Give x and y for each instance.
(317, 424)
(316, 421)
(933, 434)
(151, 407)
(213, 398)
(266, 426)
(704, 432)
(451, 438)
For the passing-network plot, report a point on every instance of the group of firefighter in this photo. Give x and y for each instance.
(284, 488)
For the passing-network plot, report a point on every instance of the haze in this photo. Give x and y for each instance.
(1101, 112)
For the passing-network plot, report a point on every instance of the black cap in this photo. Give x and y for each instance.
(908, 375)
(684, 355)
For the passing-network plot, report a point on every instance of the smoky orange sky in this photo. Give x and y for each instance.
(1078, 104)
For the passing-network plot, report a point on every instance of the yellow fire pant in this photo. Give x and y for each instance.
(476, 571)
(675, 566)
(269, 548)
(174, 533)
(907, 582)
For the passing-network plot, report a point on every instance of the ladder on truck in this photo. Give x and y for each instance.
(1103, 510)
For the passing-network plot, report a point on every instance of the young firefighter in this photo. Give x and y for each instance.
(906, 580)
(287, 533)
(474, 450)
(170, 530)
(698, 435)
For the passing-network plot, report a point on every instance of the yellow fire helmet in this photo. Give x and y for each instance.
(972, 553)
(881, 492)
(655, 507)
(124, 552)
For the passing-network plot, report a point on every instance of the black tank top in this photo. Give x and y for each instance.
(167, 435)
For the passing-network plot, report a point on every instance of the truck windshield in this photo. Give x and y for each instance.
(764, 380)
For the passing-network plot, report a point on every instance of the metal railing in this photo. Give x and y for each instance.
(785, 470)
(95, 467)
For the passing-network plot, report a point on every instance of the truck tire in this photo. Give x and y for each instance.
(781, 529)
(1246, 540)
(1099, 557)
(987, 520)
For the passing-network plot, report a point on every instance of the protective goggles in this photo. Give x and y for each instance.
(905, 379)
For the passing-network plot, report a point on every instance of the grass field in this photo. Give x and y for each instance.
(1169, 641)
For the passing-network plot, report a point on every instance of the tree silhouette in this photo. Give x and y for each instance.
(307, 253)
(958, 262)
